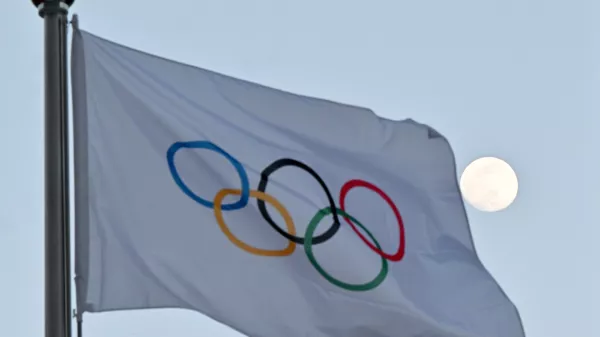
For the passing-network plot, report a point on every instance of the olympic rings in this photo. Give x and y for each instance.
(244, 246)
(361, 183)
(308, 241)
(262, 186)
(309, 253)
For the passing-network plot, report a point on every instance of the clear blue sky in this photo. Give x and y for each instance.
(517, 79)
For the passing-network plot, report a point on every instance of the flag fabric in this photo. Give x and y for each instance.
(276, 214)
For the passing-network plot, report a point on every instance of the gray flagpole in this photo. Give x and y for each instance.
(56, 196)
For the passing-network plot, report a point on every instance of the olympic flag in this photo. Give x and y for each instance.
(275, 214)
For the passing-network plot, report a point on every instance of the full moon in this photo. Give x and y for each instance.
(489, 184)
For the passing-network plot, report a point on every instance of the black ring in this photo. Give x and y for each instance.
(262, 186)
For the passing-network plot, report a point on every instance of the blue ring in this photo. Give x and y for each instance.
(209, 146)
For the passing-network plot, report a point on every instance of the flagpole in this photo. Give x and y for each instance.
(56, 197)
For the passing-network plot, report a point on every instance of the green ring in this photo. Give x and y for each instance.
(308, 238)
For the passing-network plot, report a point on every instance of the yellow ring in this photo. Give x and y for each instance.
(244, 246)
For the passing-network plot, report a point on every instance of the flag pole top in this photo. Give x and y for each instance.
(52, 6)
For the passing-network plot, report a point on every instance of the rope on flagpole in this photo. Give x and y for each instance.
(74, 22)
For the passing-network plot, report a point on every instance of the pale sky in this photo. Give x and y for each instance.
(515, 79)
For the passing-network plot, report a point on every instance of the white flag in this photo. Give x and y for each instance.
(276, 214)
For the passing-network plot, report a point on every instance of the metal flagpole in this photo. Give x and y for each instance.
(57, 235)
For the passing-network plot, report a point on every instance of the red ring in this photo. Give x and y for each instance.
(350, 184)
